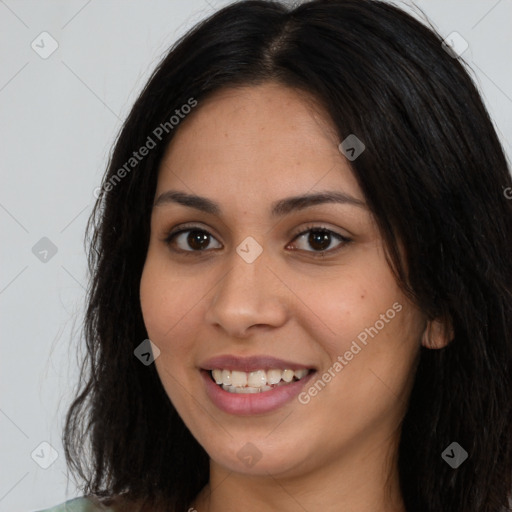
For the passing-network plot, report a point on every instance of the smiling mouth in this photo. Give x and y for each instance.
(258, 381)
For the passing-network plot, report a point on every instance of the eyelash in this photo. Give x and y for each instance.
(316, 254)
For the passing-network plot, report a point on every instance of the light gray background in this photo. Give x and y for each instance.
(59, 117)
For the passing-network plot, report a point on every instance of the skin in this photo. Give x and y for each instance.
(245, 148)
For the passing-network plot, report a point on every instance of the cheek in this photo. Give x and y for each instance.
(167, 300)
(154, 300)
(372, 341)
(342, 308)
(172, 302)
(167, 317)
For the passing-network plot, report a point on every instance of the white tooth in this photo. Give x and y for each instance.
(288, 375)
(226, 377)
(274, 376)
(300, 373)
(257, 379)
(217, 375)
(249, 389)
(238, 378)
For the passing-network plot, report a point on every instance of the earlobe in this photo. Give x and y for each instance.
(437, 334)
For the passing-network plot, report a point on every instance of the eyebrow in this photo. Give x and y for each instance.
(279, 208)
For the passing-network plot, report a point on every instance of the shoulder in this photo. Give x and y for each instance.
(79, 505)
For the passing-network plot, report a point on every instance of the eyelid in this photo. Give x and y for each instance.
(319, 226)
(188, 226)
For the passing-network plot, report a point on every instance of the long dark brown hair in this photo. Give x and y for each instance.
(433, 175)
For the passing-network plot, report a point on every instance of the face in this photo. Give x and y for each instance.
(247, 283)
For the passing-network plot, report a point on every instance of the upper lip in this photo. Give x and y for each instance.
(250, 364)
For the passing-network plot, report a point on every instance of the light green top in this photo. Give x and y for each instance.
(77, 505)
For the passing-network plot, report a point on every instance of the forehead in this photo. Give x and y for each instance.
(259, 140)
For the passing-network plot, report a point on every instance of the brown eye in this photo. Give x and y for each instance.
(190, 240)
(320, 240)
(197, 240)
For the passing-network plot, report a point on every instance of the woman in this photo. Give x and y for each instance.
(304, 213)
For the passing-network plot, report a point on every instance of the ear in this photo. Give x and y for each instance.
(437, 334)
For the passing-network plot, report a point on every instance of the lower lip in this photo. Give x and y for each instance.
(252, 403)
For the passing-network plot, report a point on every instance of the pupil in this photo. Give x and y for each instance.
(319, 240)
(197, 240)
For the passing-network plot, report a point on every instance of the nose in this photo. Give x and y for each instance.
(248, 296)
